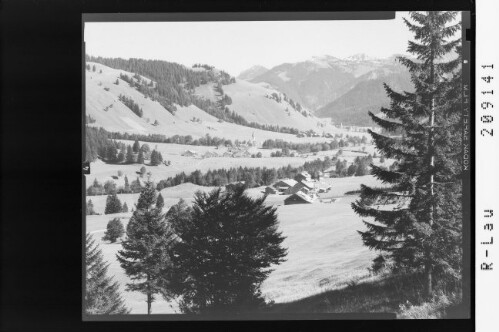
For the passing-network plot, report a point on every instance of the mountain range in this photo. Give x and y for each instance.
(343, 90)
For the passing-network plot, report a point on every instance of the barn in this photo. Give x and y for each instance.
(298, 198)
(283, 185)
(300, 186)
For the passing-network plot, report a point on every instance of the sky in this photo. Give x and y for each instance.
(236, 46)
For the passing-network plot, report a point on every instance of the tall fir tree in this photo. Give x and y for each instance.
(423, 233)
(102, 295)
(144, 256)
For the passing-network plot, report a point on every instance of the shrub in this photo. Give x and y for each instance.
(114, 231)
(109, 187)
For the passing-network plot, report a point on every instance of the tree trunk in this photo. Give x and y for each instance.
(429, 268)
(149, 303)
(149, 296)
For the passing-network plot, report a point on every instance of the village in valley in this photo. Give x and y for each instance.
(280, 189)
(311, 175)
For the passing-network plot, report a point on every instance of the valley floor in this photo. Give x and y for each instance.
(325, 251)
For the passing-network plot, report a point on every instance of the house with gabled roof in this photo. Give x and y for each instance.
(304, 186)
(284, 184)
(299, 198)
(303, 176)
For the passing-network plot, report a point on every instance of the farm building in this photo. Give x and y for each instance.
(270, 190)
(283, 185)
(303, 176)
(189, 153)
(304, 186)
(299, 198)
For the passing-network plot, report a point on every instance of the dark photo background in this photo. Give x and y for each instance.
(41, 126)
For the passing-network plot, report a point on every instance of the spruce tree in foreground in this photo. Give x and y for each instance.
(144, 256)
(225, 252)
(423, 233)
(102, 295)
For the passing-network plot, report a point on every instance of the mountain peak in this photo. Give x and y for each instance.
(360, 57)
(252, 72)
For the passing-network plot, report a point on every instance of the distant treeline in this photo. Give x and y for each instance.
(98, 144)
(99, 141)
(252, 176)
(173, 80)
(206, 140)
(258, 176)
(337, 142)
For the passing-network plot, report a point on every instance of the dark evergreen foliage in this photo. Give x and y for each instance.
(95, 189)
(225, 252)
(113, 204)
(140, 157)
(131, 104)
(136, 146)
(254, 176)
(102, 295)
(423, 234)
(96, 143)
(156, 158)
(144, 256)
(160, 202)
(114, 230)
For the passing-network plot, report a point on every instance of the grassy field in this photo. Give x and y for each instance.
(384, 293)
(173, 152)
(324, 250)
(248, 100)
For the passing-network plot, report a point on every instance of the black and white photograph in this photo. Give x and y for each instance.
(240, 168)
